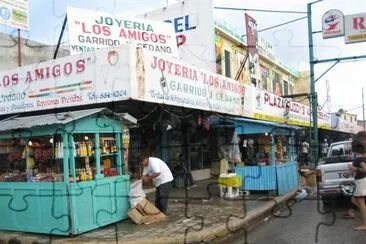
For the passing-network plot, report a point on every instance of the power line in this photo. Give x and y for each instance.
(275, 26)
(261, 10)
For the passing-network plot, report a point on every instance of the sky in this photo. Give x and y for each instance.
(290, 42)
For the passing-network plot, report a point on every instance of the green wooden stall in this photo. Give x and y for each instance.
(63, 173)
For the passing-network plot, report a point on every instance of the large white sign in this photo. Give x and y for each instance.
(193, 23)
(333, 24)
(14, 13)
(91, 30)
(71, 81)
(160, 79)
(355, 26)
(277, 109)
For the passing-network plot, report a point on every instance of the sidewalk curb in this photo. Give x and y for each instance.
(219, 230)
(206, 234)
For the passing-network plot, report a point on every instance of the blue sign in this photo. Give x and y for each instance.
(5, 13)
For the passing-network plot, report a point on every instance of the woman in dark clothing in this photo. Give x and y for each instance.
(358, 168)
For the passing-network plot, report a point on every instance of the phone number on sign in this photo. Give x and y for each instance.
(106, 95)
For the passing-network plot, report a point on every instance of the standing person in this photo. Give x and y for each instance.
(156, 171)
(324, 148)
(359, 168)
(305, 152)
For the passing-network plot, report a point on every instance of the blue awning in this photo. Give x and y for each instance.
(252, 126)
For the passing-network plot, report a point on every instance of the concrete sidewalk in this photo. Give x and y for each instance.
(193, 216)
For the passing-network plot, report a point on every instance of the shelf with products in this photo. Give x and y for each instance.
(109, 165)
(108, 144)
(34, 159)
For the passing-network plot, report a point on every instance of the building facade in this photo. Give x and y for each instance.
(231, 51)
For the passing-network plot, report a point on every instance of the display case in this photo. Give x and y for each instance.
(62, 174)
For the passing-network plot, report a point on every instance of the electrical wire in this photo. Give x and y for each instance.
(148, 114)
(261, 10)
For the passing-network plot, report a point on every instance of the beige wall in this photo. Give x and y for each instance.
(351, 118)
(268, 69)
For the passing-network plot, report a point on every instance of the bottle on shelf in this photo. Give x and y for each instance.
(56, 148)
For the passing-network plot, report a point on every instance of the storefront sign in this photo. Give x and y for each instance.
(277, 109)
(333, 24)
(91, 30)
(169, 81)
(14, 13)
(71, 81)
(355, 28)
(252, 40)
(194, 28)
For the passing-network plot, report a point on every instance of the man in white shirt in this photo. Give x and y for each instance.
(158, 172)
(305, 152)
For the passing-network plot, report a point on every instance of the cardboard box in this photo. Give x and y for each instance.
(145, 213)
(302, 181)
(310, 177)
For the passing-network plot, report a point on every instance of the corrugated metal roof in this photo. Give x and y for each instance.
(47, 119)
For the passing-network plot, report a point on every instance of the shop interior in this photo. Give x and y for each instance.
(40, 159)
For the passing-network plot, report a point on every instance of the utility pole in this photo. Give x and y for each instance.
(363, 112)
(313, 94)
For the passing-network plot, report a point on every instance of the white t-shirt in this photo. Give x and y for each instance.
(157, 165)
(305, 147)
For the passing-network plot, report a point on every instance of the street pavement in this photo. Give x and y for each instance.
(190, 214)
(301, 227)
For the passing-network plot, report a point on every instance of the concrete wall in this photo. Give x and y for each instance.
(31, 52)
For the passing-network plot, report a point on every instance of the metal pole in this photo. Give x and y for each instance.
(313, 94)
(60, 37)
(363, 112)
(19, 49)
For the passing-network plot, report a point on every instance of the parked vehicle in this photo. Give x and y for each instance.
(334, 179)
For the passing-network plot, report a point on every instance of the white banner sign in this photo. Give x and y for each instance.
(71, 81)
(91, 30)
(193, 23)
(355, 26)
(277, 109)
(165, 80)
(14, 13)
(333, 24)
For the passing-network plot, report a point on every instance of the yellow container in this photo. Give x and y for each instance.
(234, 181)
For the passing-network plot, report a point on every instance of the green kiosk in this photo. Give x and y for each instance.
(62, 173)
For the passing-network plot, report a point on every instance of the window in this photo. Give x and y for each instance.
(337, 150)
(227, 64)
(265, 76)
(276, 85)
(285, 87)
